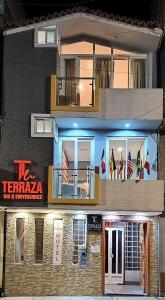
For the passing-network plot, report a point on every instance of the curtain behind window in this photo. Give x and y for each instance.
(103, 70)
(137, 73)
(70, 85)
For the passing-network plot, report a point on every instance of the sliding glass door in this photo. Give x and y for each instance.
(76, 172)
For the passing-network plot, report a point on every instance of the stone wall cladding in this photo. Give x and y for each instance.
(153, 276)
(29, 279)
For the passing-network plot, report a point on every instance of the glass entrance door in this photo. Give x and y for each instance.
(76, 157)
(115, 256)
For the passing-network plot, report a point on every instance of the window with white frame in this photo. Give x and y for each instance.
(79, 238)
(116, 68)
(126, 158)
(42, 125)
(19, 240)
(47, 36)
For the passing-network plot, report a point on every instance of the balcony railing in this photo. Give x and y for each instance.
(74, 183)
(75, 91)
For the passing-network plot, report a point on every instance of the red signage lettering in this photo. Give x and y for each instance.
(26, 187)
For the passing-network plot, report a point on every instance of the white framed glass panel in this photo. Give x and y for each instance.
(126, 158)
(39, 125)
(120, 76)
(77, 48)
(41, 37)
(48, 126)
(50, 36)
(79, 238)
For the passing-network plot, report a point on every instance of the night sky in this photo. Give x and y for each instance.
(140, 9)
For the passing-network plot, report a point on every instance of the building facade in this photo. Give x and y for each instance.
(81, 193)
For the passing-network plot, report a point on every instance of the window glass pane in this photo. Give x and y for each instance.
(77, 48)
(102, 50)
(50, 36)
(40, 125)
(19, 241)
(103, 69)
(79, 238)
(39, 230)
(120, 73)
(124, 52)
(136, 149)
(117, 151)
(48, 126)
(41, 37)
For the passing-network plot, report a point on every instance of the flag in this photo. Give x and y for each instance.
(120, 169)
(147, 163)
(112, 164)
(103, 166)
(129, 166)
(154, 163)
(141, 174)
(138, 163)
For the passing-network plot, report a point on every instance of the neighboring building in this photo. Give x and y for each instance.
(159, 14)
(79, 149)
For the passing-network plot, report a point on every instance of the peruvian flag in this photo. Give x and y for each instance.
(103, 167)
(147, 163)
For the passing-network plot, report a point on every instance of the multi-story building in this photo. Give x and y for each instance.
(81, 193)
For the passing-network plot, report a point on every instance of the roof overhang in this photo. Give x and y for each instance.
(111, 31)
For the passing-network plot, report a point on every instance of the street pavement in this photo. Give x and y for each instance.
(85, 298)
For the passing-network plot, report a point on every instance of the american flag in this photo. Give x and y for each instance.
(129, 166)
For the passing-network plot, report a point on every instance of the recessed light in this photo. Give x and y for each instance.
(75, 125)
(127, 125)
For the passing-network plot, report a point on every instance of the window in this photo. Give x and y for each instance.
(116, 68)
(39, 230)
(42, 125)
(19, 241)
(123, 156)
(79, 238)
(47, 37)
(132, 247)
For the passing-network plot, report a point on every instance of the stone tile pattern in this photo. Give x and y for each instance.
(29, 279)
(153, 277)
(1, 247)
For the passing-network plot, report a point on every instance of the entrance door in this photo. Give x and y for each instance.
(115, 255)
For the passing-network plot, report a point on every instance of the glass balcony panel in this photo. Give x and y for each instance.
(78, 184)
(76, 92)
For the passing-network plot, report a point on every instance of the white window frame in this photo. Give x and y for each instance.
(126, 138)
(34, 133)
(45, 43)
(78, 218)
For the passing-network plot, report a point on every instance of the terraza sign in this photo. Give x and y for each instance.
(26, 187)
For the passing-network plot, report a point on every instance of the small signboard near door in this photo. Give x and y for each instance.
(94, 223)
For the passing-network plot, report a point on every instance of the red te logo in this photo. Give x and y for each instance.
(23, 173)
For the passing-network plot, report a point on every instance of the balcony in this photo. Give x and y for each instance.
(73, 186)
(86, 100)
(74, 94)
(104, 194)
(132, 195)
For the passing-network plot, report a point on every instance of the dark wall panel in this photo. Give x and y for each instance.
(26, 90)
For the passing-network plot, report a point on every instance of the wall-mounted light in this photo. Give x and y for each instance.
(127, 125)
(75, 125)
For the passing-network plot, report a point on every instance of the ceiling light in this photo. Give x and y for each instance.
(75, 125)
(127, 125)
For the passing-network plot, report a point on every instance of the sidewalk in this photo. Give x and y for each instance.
(85, 298)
